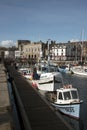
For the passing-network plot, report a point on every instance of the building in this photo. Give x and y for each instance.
(17, 54)
(58, 52)
(76, 51)
(33, 52)
(21, 44)
(70, 51)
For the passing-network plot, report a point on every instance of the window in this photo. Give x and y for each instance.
(29, 56)
(74, 94)
(67, 95)
(60, 96)
(35, 56)
(32, 49)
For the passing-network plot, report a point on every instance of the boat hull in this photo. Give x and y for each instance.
(46, 83)
(72, 110)
(79, 72)
(62, 70)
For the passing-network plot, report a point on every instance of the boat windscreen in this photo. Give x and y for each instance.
(74, 94)
(67, 95)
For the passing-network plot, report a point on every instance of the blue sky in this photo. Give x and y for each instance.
(59, 20)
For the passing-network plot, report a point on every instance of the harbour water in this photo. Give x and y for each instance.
(81, 84)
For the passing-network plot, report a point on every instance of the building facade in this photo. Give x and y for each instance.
(76, 51)
(32, 51)
(70, 51)
(58, 52)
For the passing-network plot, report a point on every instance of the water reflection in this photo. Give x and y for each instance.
(73, 123)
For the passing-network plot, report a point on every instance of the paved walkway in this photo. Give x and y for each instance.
(6, 118)
(37, 114)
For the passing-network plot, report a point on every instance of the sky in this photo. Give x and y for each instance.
(35, 20)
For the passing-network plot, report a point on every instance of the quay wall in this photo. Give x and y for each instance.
(6, 122)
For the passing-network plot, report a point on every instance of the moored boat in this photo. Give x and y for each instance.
(27, 73)
(64, 68)
(46, 81)
(66, 100)
(79, 70)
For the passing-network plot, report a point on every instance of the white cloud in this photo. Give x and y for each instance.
(73, 40)
(7, 43)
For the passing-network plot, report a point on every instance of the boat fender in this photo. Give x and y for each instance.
(67, 86)
(34, 84)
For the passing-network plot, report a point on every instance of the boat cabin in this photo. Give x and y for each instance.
(67, 95)
(64, 95)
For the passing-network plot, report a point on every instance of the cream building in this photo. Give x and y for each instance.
(32, 51)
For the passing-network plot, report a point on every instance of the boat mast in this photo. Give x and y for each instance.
(81, 44)
(48, 55)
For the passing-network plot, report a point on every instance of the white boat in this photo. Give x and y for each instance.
(79, 70)
(46, 82)
(46, 69)
(27, 73)
(66, 100)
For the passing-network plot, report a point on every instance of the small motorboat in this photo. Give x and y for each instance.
(66, 100)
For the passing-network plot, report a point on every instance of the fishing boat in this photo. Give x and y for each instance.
(66, 100)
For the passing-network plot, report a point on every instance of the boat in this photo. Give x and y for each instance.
(66, 100)
(46, 81)
(79, 70)
(64, 69)
(46, 68)
(26, 73)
